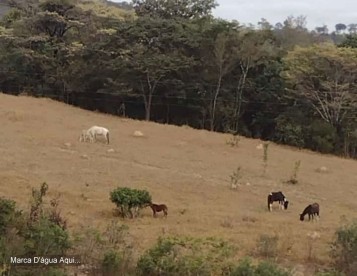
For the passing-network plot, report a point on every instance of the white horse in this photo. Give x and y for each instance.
(85, 137)
(92, 133)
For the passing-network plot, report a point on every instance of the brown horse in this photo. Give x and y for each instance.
(158, 208)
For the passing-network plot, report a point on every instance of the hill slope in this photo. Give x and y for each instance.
(186, 169)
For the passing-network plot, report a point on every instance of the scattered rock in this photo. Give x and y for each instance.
(68, 145)
(259, 147)
(138, 133)
(322, 169)
(110, 150)
(84, 156)
(314, 235)
(234, 186)
(248, 184)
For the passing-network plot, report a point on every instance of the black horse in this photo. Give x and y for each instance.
(313, 210)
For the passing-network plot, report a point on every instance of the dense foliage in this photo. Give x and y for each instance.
(129, 201)
(172, 62)
(40, 231)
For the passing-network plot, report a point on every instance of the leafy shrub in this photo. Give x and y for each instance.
(7, 213)
(186, 256)
(127, 199)
(108, 251)
(45, 238)
(344, 249)
(246, 268)
(111, 263)
(31, 233)
(267, 245)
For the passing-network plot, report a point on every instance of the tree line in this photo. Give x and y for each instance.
(173, 62)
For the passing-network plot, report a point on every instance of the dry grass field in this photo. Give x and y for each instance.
(184, 168)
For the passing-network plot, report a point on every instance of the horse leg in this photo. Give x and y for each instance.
(165, 213)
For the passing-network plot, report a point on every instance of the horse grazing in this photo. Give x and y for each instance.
(158, 208)
(313, 210)
(277, 196)
(85, 137)
(92, 133)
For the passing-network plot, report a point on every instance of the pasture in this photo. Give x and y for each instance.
(187, 169)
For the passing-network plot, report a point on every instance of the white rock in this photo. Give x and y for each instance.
(138, 133)
(84, 156)
(259, 147)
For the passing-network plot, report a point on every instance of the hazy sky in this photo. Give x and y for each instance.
(317, 12)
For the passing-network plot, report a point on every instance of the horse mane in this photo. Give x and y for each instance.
(306, 210)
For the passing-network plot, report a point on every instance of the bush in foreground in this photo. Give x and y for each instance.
(186, 256)
(344, 249)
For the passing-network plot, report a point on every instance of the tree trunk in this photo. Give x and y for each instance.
(214, 104)
(148, 98)
(239, 96)
(148, 107)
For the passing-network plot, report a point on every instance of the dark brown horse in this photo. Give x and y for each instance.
(156, 208)
(313, 210)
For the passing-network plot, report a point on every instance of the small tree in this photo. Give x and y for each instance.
(235, 177)
(127, 199)
(265, 157)
(293, 179)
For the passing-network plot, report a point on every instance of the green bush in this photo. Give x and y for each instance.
(30, 233)
(111, 263)
(267, 246)
(45, 238)
(127, 199)
(7, 213)
(246, 268)
(109, 251)
(344, 249)
(186, 256)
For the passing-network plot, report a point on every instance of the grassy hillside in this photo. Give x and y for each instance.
(189, 170)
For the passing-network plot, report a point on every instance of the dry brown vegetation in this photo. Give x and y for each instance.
(187, 169)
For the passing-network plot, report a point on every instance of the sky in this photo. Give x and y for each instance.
(317, 12)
